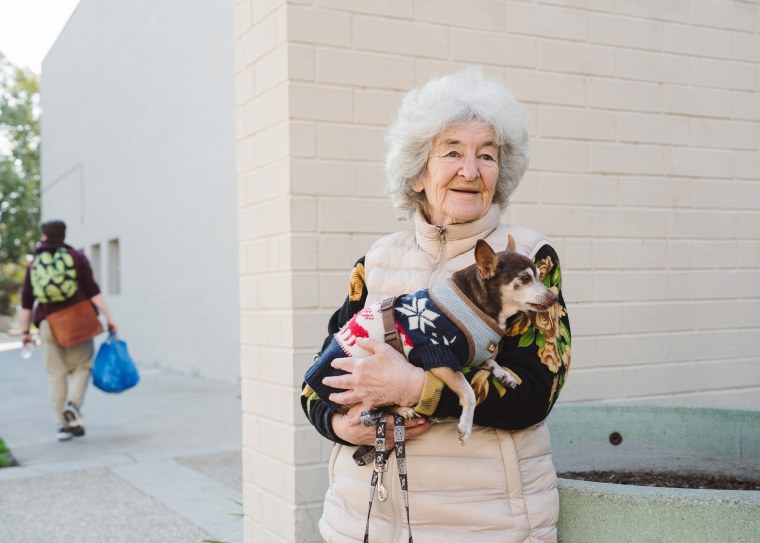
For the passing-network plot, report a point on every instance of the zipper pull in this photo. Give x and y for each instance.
(442, 240)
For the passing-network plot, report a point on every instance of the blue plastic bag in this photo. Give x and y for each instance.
(114, 370)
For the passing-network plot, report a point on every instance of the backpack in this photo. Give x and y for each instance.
(53, 276)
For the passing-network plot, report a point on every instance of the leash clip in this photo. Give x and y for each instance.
(380, 469)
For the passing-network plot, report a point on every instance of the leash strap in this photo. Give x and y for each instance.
(380, 456)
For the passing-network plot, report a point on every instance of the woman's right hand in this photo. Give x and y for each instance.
(348, 429)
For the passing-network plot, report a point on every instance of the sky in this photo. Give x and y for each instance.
(28, 28)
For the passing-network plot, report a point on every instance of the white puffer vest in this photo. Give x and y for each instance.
(500, 487)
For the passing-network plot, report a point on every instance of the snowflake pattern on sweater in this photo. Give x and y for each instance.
(428, 337)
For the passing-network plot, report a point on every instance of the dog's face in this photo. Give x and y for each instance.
(513, 279)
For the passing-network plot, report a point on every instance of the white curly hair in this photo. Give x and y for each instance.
(427, 111)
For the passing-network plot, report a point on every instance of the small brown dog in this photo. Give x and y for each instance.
(448, 326)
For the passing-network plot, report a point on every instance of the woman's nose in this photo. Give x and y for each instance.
(469, 169)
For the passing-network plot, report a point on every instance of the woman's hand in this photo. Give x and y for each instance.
(349, 428)
(384, 377)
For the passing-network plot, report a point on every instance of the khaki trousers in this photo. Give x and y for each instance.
(61, 363)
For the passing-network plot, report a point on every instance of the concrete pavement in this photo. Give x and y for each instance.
(159, 463)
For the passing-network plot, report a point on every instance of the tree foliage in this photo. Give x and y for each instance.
(19, 173)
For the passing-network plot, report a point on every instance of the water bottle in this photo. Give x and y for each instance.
(28, 349)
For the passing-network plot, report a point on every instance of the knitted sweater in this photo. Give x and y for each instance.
(429, 337)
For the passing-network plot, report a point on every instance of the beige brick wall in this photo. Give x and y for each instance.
(645, 121)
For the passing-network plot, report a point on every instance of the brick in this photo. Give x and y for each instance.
(629, 159)
(630, 223)
(560, 156)
(319, 177)
(643, 128)
(727, 314)
(303, 139)
(364, 69)
(747, 164)
(714, 375)
(590, 5)
(261, 112)
(652, 66)
(479, 14)
(629, 286)
(244, 85)
(746, 105)
(703, 285)
(272, 144)
(578, 189)
(305, 288)
(270, 70)
(702, 224)
(748, 254)
(653, 317)
(309, 328)
(398, 36)
(594, 384)
(370, 180)
(492, 48)
(700, 163)
(527, 190)
(575, 123)
(264, 8)
(672, 10)
(301, 62)
(321, 27)
(578, 287)
(726, 194)
(704, 345)
(257, 42)
(656, 379)
(391, 8)
(545, 88)
(730, 15)
(320, 102)
(304, 250)
(368, 216)
(723, 74)
(747, 225)
(376, 107)
(699, 102)
(547, 21)
(303, 214)
(350, 142)
(578, 58)
(625, 32)
(745, 46)
(631, 350)
(656, 192)
(553, 220)
(624, 95)
(696, 41)
(724, 134)
(577, 254)
(242, 18)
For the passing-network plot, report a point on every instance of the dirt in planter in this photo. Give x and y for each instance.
(671, 479)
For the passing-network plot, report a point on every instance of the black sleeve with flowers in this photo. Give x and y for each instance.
(313, 407)
(535, 350)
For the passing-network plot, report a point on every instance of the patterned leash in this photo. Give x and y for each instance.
(365, 455)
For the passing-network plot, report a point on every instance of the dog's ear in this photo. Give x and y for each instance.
(486, 259)
(510, 243)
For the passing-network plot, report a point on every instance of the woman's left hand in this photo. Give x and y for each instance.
(384, 377)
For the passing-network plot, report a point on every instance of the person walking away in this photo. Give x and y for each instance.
(58, 277)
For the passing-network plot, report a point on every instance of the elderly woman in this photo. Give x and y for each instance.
(457, 150)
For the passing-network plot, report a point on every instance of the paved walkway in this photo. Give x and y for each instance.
(159, 463)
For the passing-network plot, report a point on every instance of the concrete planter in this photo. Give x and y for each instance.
(617, 437)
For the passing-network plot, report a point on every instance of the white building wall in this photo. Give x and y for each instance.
(645, 172)
(139, 144)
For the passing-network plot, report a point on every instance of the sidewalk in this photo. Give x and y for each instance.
(159, 463)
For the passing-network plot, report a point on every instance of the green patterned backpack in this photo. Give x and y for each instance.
(53, 276)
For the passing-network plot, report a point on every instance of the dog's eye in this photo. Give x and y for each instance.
(525, 278)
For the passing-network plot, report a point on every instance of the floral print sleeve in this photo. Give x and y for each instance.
(535, 350)
(315, 409)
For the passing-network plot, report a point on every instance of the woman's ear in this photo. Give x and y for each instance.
(418, 185)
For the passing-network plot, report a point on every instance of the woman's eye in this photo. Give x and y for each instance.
(486, 157)
(452, 154)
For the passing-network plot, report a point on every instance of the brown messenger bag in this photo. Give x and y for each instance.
(75, 324)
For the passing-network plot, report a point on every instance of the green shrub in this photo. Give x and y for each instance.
(6, 459)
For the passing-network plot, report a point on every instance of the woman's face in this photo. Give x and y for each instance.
(460, 178)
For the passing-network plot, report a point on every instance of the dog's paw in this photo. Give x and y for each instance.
(464, 432)
(505, 378)
(406, 412)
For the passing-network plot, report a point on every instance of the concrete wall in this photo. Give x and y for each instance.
(645, 172)
(139, 144)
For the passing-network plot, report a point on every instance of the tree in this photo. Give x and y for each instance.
(19, 174)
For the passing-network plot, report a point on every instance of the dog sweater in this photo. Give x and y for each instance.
(438, 327)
